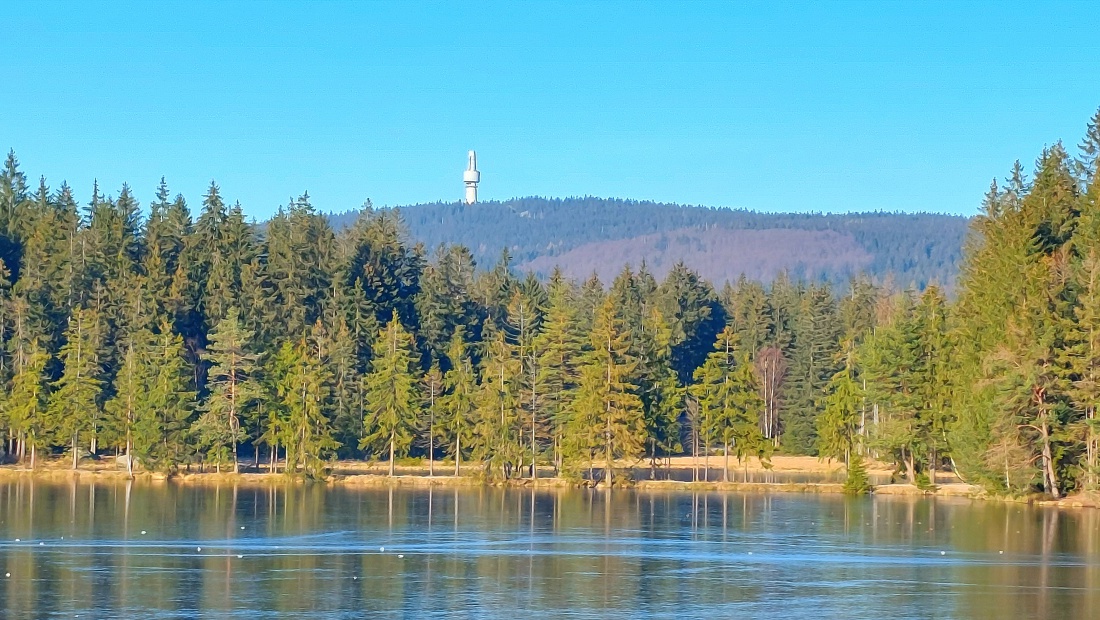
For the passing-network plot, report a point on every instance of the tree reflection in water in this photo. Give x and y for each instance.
(130, 549)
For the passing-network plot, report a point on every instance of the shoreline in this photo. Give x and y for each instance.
(358, 474)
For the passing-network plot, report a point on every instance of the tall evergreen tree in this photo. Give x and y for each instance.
(304, 391)
(166, 404)
(392, 393)
(729, 401)
(233, 388)
(838, 425)
(457, 403)
(658, 387)
(23, 407)
(607, 419)
(497, 431)
(74, 398)
(558, 348)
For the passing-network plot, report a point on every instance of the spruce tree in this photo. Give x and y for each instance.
(392, 393)
(23, 407)
(165, 406)
(816, 331)
(233, 390)
(524, 319)
(839, 423)
(558, 348)
(457, 403)
(431, 389)
(382, 265)
(497, 439)
(130, 388)
(74, 398)
(304, 392)
(891, 364)
(607, 418)
(729, 401)
(658, 386)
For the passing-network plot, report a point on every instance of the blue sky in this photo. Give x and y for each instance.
(809, 107)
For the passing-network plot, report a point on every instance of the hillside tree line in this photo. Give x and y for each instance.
(217, 342)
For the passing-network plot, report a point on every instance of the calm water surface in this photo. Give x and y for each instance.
(116, 550)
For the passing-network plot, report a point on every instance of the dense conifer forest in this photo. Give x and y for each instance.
(211, 341)
(581, 236)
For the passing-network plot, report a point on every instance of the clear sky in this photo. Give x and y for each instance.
(811, 107)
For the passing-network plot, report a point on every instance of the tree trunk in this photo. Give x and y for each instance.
(726, 469)
(557, 455)
(609, 466)
(76, 453)
(706, 460)
(652, 458)
(932, 466)
(391, 454)
(1090, 457)
(1050, 478)
(458, 455)
(534, 460)
(694, 455)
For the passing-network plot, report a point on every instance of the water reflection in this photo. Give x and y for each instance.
(133, 549)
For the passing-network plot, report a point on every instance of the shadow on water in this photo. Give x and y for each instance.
(304, 551)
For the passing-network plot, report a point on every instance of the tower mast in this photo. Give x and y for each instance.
(471, 178)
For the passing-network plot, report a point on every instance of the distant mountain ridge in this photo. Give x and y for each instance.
(601, 235)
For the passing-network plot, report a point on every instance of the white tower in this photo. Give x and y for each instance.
(471, 178)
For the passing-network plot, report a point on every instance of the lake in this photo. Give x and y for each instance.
(161, 550)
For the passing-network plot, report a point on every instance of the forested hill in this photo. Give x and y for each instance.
(586, 235)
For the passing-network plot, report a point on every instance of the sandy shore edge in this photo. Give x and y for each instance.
(358, 474)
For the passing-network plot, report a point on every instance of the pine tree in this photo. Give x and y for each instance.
(431, 389)
(839, 423)
(346, 378)
(497, 431)
(130, 388)
(747, 306)
(1083, 355)
(729, 401)
(446, 301)
(693, 312)
(298, 248)
(857, 481)
(658, 387)
(233, 390)
(166, 404)
(522, 327)
(74, 399)
(23, 408)
(607, 418)
(457, 403)
(392, 393)
(304, 392)
(382, 266)
(166, 233)
(816, 341)
(558, 348)
(891, 364)
(932, 393)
